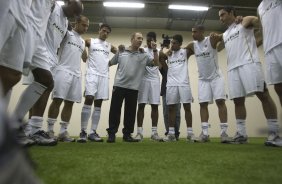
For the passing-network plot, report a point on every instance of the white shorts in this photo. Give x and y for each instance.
(245, 80)
(67, 86)
(41, 57)
(149, 92)
(210, 90)
(273, 61)
(178, 94)
(97, 86)
(13, 45)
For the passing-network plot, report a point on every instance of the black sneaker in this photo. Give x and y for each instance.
(82, 137)
(129, 139)
(111, 138)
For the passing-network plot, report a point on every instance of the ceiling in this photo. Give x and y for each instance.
(156, 14)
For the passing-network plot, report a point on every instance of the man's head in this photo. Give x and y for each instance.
(151, 36)
(227, 15)
(73, 8)
(136, 40)
(81, 24)
(176, 42)
(198, 32)
(104, 31)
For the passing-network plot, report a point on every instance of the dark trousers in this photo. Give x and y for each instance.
(129, 97)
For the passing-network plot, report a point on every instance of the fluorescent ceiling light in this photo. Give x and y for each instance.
(188, 7)
(124, 5)
(61, 3)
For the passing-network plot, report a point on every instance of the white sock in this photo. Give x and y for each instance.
(205, 128)
(50, 124)
(154, 130)
(64, 126)
(171, 131)
(85, 115)
(189, 130)
(140, 130)
(28, 98)
(241, 126)
(95, 118)
(36, 123)
(223, 128)
(273, 126)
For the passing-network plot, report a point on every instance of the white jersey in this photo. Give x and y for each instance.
(177, 74)
(56, 30)
(39, 16)
(151, 72)
(70, 53)
(207, 60)
(270, 12)
(98, 57)
(20, 9)
(240, 45)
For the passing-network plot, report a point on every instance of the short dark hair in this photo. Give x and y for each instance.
(80, 18)
(178, 38)
(105, 25)
(199, 27)
(229, 9)
(152, 35)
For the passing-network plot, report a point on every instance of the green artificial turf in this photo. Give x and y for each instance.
(150, 162)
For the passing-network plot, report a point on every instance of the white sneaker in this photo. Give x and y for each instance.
(273, 140)
(224, 138)
(191, 138)
(155, 137)
(240, 139)
(204, 138)
(64, 137)
(94, 137)
(139, 137)
(169, 138)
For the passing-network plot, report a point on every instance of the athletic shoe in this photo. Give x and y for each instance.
(64, 137)
(155, 137)
(43, 139)
(23, 140)
(273, 140)
(139, 137)
(204, 138)
(129, 138)
(51, 134)
(192, 138)
(169, 138)
(94, 137)
(239, 139)
(82, 137)
(224, 138)
(111, 138)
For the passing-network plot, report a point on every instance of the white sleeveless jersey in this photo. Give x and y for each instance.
(39, 15)
(151, 72)
(177, 74)
(98, 57)
(240, 45)
(70, 53)
(270, 12)
(20, 9)
(207, 60)
(56, 30)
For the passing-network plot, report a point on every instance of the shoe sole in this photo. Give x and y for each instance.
(47, 144)
(81, 141)
(95, 140)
